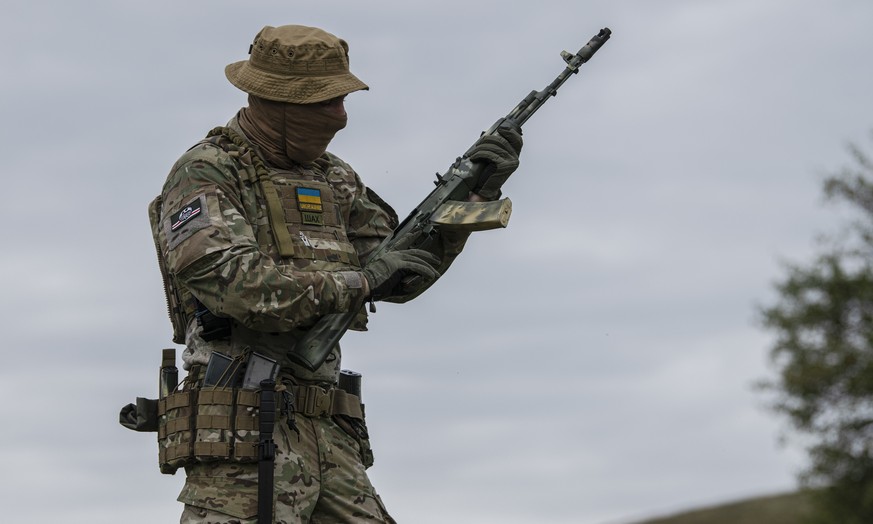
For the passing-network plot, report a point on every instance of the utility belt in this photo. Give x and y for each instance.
(314, 401)
(201, 422)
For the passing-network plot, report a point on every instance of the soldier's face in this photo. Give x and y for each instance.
(335, 105)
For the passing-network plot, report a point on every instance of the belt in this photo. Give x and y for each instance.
(315, 401)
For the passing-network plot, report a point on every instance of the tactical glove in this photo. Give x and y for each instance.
(385, 273)
(501, 152)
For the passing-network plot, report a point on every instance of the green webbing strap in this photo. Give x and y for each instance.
(275, 212)
(346, 404)
(314, 401)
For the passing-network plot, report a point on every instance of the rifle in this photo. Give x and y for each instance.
(445, 208)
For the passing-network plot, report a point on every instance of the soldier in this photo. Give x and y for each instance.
(261, 231)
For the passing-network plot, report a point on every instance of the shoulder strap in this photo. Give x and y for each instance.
(275, 213)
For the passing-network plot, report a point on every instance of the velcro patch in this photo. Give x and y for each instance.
(309, 200)
(185, 221)
(184, 215)
(312, 219)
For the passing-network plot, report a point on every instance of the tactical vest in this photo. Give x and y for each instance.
(315, 233)
(297, 218)
(304, 225)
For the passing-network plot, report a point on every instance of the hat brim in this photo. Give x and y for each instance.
(293, 89)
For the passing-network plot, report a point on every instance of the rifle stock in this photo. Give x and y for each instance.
(420, 228)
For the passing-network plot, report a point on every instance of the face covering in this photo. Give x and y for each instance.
(290, 133)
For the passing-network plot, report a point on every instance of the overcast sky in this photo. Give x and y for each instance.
(593, 363)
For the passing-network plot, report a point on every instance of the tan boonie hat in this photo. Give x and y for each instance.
(297, 64)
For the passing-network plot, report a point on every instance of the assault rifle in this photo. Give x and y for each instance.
(445, 208)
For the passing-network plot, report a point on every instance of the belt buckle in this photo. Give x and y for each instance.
(317, 402)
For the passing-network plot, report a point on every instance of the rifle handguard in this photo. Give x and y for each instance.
(473, 216)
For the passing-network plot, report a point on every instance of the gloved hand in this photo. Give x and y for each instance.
(501, 152)
(385, 273)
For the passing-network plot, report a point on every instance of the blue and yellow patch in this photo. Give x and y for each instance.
(310, 206)
(309, 199)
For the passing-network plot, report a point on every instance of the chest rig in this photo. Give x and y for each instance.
(300, 216)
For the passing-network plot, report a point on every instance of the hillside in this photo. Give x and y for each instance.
(787, 508)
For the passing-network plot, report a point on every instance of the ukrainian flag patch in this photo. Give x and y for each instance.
(309, 199)
(309, 204)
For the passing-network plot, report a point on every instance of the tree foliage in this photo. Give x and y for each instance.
(823, 354)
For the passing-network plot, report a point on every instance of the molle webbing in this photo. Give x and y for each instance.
(207, 424)
(275, 213)
(214, 423)
(313, 401)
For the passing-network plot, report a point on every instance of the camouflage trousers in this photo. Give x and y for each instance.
(319, 479)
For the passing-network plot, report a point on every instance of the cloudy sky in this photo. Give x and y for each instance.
(593, 363)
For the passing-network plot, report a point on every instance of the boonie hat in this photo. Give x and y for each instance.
(296, 64)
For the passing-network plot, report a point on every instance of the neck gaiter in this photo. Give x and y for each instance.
(290, 133)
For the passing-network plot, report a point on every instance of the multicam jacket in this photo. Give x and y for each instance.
(215, 226)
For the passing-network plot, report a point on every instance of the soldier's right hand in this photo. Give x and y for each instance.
(385, 273)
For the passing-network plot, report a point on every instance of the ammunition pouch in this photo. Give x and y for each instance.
(355, 427)
(211, 424)
(206, 425)
(204, 421)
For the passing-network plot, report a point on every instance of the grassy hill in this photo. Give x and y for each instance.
(777, 509)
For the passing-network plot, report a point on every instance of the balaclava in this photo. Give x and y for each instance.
(290, 133)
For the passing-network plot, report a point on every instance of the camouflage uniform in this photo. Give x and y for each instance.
(271, 246)
(319, 478)
(222, 251)
(226, 257)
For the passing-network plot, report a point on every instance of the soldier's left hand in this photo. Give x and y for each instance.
(500, 151)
